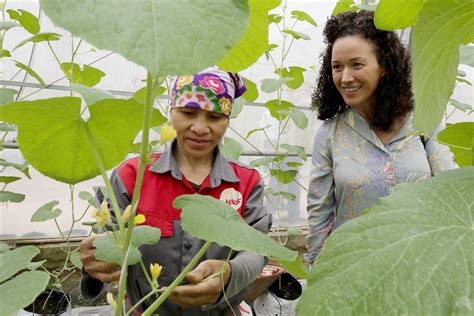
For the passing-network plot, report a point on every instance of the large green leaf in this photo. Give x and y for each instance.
(442, 26)
(213, 220)
(411, 255)
(57, 144)
(46, 212)
(13, 261)
(461, 137)
(108, 250)
(22, 291)
(406, 14)
(254, 41)
(166, 37)
(145, 235)
(231, 148)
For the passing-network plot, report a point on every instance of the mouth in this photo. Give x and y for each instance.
(198, 141)
(351, 89)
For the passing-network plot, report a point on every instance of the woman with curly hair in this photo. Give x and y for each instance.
(366, 145)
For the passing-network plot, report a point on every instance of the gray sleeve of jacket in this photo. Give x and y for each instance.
(90, 287)
(246, 265)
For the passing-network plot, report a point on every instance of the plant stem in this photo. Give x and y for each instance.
(178, 280)
(150, 96)
(141, 301)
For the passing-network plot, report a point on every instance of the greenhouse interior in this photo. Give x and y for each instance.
(341, 131)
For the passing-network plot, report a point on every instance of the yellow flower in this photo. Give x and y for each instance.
(111, 300)
(102, 216)
(155, 270)
(139, 219)
(167, 133)
(183, 80)
(126, 213)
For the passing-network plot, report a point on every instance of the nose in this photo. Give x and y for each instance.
(199, 125)
(346, 75)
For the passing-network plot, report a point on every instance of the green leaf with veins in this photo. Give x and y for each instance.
(460, 138)
(210, 219)
(406, 14)
(13, 261)
(145, 235)
(68, 156)
(165, 37)
(411, 250)
(442, 26)
(108, 250)
(254, 42)
(22, 290)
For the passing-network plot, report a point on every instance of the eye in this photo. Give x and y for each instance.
(358, 65)
(216, 117)
(336, 67)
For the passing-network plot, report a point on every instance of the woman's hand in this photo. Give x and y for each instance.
(207, 282)
(103, 271)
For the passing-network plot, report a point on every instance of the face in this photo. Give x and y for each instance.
(355, 71)
(198, 132)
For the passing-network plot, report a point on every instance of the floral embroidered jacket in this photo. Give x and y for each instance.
(352, 168)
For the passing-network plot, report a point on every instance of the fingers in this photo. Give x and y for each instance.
(196, 295)
(103, 271)
(207, 283)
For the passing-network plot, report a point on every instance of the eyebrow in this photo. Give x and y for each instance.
(352, 59)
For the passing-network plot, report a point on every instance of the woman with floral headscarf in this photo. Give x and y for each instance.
(201, 106)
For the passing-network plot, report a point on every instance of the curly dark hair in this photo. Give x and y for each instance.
(393, 94)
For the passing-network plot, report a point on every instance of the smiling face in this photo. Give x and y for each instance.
(355, 71)
(198, 131)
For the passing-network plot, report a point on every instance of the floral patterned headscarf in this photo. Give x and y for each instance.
(212, 90)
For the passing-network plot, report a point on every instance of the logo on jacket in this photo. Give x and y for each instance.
(232, 197)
